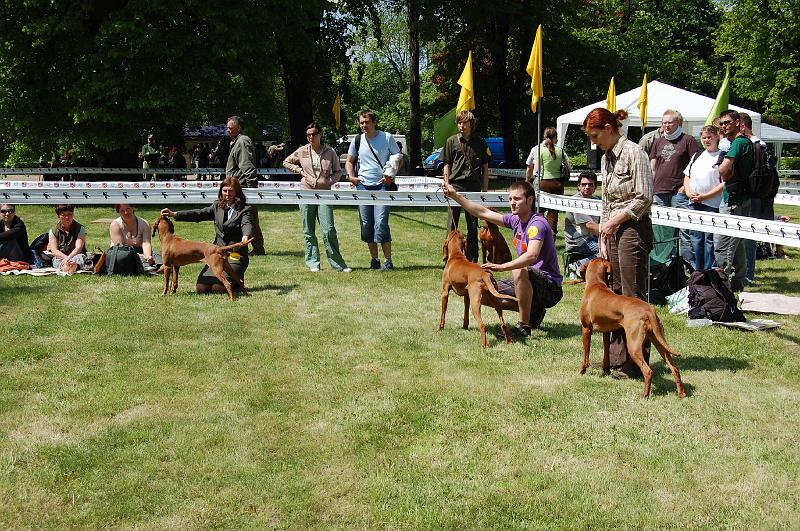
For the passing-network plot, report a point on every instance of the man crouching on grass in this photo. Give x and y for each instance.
(537, 279)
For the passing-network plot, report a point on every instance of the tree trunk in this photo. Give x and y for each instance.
(507, 103)
(414, 119)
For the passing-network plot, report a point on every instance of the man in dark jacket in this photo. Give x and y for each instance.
(13, 236)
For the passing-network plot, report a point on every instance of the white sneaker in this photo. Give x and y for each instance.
(314, 269)
(346, 270)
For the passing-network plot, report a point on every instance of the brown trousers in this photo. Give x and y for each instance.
(629, 253)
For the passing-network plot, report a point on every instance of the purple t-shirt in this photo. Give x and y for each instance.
(537, 228)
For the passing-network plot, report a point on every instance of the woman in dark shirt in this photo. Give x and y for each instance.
(232, 218)
(13, 236)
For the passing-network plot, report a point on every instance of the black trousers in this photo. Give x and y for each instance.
(472, 221)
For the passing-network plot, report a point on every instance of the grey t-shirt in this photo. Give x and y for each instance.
(574, 236)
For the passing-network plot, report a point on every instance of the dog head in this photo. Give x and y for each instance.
(168, 224)
(487, 224)
(597, 269)
(454, 243)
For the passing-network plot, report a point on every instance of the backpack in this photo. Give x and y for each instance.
(123, 260)
(711, 296)
(763, 180)
(669, 279)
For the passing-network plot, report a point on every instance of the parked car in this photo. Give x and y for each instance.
(433, 165)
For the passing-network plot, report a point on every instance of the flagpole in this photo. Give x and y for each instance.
(539, 155)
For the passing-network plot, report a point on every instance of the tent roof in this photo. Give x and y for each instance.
(660, 97)
(772, 133)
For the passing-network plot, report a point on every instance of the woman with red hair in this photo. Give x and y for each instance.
(626, 234)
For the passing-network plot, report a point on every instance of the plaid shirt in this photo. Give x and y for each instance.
(627, 181)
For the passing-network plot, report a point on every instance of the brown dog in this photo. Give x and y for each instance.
(470, 281)
(604, 311)
(177, 252)
(494, 248)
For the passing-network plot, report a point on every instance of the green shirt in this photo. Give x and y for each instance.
(741, 152)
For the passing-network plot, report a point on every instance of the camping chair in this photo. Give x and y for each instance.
(665, 240)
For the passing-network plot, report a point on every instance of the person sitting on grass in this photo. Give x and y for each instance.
(67, 241)
(131, 230)
(537, 279)
(13, 236)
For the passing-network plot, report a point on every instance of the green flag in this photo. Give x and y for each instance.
(444, 128)
(721, 103)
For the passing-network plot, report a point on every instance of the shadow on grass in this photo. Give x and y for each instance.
(786, 337)
(423, 223)
(282, 290)
(696, 363)
(566, 330)
(286, 253)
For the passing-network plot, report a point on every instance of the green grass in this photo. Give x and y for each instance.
(330, 400)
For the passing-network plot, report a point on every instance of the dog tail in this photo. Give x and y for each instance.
(655, 333)
(491, 286)
(235, 246)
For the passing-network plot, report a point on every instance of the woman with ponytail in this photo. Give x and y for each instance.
(550, 156)
(626, 234)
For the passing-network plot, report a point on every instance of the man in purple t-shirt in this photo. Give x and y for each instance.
(537, 279)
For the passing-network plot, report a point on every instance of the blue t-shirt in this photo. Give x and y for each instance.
(368, 168)
(536, 228)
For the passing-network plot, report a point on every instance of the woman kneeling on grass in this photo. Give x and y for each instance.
(67, 241)
(232, 218)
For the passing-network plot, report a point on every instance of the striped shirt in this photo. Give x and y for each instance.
(627, 181)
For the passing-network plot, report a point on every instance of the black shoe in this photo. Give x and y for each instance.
(736, 285)
(537, 316)
(258, 251)
(519, 332)
(375, 264)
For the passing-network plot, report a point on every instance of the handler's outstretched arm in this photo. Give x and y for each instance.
(476, 209)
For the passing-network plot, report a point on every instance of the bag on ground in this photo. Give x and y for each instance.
(123, 260)
(711, 297)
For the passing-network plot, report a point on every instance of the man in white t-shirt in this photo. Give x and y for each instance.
(703, 187)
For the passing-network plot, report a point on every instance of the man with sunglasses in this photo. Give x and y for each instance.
(13, 236)
(729, 251)
(581, 230)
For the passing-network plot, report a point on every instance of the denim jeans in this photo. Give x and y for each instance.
(678, 200)
(310, 214)
(702, 242)
(750, 245)
(374, 219)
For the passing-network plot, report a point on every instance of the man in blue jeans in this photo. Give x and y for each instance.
(368, 155)
(669, 155)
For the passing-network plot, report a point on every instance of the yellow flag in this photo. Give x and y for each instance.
(337, 110)
(466, 100)
(534, 70)
(642, 105)
(611, 97)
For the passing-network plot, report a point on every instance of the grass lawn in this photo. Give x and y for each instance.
(331, 400)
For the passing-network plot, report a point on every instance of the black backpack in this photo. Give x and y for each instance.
(123, 260)
(763, 180)
(711, 296)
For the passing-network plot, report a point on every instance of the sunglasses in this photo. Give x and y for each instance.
(726, 122)
(6, 211)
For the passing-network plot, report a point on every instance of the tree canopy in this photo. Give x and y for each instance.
(99, 75)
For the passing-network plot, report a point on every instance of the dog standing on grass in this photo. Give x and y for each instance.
(494, 247)
(472, 282)
(177, 252)
(604, 311)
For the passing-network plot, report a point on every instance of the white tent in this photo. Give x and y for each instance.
(660, 97)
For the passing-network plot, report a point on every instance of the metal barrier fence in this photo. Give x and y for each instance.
(413, 192)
